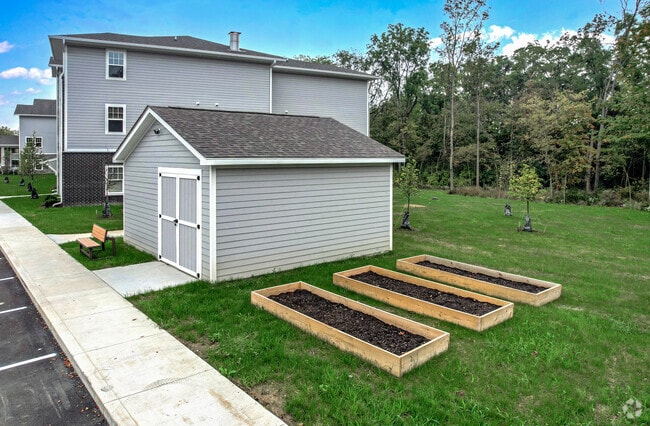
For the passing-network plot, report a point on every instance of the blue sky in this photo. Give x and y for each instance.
(287, 28)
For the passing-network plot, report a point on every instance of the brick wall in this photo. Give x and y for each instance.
(83, 178)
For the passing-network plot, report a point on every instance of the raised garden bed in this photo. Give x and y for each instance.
(472, 310)
(373, 324)
(515, 288)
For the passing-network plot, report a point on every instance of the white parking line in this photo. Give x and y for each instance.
(13, 310)
(29, 361)
(5, 279)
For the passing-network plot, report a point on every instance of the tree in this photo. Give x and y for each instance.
(31, 159)
(475, 71)
(4, 130)
(399, 57)
(621, 57)
(320, 59)
(629, 127)
(408, 182)
(462, 31)
(525, 186)
(557, 130)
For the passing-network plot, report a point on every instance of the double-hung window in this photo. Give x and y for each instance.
(115, 65)
(38, 146)
(37, 141)
(115, 119)
(114, 180)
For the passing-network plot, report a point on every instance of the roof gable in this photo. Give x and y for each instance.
(227, 137)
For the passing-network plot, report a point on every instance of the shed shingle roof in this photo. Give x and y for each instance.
(43, 107)
(225, 135)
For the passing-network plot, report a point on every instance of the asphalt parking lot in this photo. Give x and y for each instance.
(38, 386)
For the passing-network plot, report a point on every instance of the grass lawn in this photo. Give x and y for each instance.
(43, 184)
(126, 255)
(65, 220)
(574, 361)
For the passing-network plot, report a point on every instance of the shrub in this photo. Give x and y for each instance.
(438, 180)
(50, 200)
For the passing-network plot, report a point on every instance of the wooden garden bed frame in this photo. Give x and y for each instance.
(474, 322)
(552, 292)
(396, 365)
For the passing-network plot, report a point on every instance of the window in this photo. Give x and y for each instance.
(115, 119)
(38, 144)
(115, 65)
(114, 180)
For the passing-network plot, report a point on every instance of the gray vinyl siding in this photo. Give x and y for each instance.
(153, 79)
(141, 192)
(45, 127)
(341, 99)
(281, 218)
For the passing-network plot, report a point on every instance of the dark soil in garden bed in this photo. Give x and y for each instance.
(448, 300)
(530, 288)
(362, 326)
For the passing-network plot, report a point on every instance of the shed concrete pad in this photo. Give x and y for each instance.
(143, 277)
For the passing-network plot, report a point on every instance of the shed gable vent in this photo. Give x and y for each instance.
(234, 41)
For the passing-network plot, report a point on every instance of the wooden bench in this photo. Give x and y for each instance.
(96, 241)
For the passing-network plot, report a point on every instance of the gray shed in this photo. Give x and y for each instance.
(221, 194)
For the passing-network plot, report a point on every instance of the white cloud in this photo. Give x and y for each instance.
(524, 39)
(33, 91)
(43, 77)
(608, 40)
(517, 42)
(510, 40)
(496, 33)
(435, 42)
(5, 46)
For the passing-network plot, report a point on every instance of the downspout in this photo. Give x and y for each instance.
(368, 109)
(59, 143)
(271, 87)
(60, 120)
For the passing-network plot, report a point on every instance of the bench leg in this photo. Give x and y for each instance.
(88, 252)
(113, 245)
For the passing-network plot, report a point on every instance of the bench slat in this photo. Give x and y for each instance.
(87, 242)
(99, 233)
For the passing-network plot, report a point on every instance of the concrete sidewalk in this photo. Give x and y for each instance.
(137, 373)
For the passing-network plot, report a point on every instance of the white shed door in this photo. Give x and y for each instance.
(179, 219)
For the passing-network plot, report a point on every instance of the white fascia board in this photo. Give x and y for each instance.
(37, 115)
(179, 50)
(133, 137)
(138, 131)
(311, 71)
(233, 162)
(94, 150)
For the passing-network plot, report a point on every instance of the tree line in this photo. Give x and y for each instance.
(576, 110)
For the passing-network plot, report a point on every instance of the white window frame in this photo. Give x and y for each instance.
(38, 143)
(108, 64)
(106, 119)
(106, 174)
